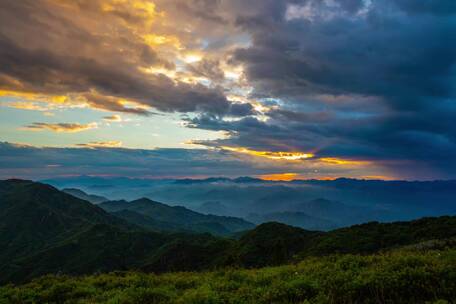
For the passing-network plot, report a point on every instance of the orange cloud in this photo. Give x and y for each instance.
(344, 162)
(26, 105)
(271, 154)
(101, 144)
(61, 127)
(113, 118)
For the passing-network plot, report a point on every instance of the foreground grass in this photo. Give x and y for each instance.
(397, 277)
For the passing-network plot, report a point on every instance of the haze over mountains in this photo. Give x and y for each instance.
(44, 230)
(309, 204)
(164, 217)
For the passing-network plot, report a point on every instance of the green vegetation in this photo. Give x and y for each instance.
(404, 276)
(372, 237)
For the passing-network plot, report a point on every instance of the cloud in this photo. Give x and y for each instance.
(102, 144)
(351, 80)
(74, 58)
(113, 118)
(444, 7)
(346, 80)
(277, 155)
(26, 105)
(30, 162)
(61, 127)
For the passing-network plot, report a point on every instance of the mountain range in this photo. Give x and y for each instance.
(44, 230)
(94, 199)
(163, 217)
(333, 203)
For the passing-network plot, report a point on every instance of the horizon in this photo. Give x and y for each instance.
(279, 90)
(221, 177)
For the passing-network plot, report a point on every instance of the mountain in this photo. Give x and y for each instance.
(324, 208)
(373, 200)
(180, 217)
(339, 213)
(167, 227)
(374, 236)
(269, 244)
(279, 199)
(34, 216)
(297, 219)
(213, 207)
(276, 243)
(44, 230)
(94, 199)
(145, 221)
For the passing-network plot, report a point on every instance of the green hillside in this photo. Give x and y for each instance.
(405, 276)
(35, 216)
(43, 230)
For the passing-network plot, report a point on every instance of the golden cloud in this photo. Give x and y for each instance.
(113, 118)
(26, 105)
(114, 55)
(101, 144)
(344, 162)
(291, 156)
(61, 127)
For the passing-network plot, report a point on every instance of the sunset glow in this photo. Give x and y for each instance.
(279, 177)
(292, 156)
(317, 88)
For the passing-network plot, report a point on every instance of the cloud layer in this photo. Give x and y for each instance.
(108, 159)
(368, 83)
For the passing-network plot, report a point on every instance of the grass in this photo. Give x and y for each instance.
(402, 276)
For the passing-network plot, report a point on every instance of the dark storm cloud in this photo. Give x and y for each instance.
(395, 60)
(442, 7)
(369, 57)
(392, 143)
(208, 68)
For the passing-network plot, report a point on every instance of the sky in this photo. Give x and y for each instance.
(277, 89)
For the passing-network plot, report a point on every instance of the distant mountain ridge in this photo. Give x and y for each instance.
(315, 214)
(372, 199)
(94, 199)
(181, 218)
(294, 218)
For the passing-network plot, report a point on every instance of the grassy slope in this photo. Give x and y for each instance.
(402, 276)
